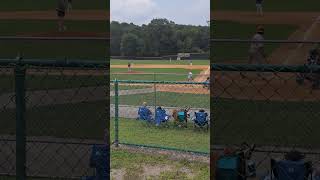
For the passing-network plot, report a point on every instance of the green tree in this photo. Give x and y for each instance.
(129, 44)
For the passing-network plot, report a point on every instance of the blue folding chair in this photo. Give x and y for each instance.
(201, 120)
(291, 170)
(144, 114)
(99, 160)
(161, 116)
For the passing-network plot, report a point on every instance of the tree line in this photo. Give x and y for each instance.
(158, 38)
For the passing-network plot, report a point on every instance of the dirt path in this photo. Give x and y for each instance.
(300, 53)
(78, 15)
(158, 66)
(192, 89)
(292, 18)
(282, 86)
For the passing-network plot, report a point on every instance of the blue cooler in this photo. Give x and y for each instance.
(228, 168)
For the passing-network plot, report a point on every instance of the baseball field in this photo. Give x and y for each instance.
(274, 110)
(170, 97)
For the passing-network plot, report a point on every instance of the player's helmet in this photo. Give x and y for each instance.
(260, 29)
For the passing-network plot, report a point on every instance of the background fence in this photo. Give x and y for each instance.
(266, 105)
(156, 76)
(128, 96)
(52, 112)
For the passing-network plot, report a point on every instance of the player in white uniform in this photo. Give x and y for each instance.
(190, 76)
(256, 51)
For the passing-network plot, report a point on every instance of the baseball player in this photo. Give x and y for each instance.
(190, 76)
(256, 51)
(129, 67)
(259, 7)
(207, 85)
(69, 5)
(61, 12)
(313, 59)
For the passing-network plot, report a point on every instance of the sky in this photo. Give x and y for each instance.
(193, 12)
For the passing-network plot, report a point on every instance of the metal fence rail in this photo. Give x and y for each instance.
(129, 95)
(60, 112)
(275, 107)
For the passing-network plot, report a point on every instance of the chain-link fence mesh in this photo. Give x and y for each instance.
(135, 75)
(274, 107)
(129, 127)
(65, 115)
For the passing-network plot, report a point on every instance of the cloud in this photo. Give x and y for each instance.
(195, 12)
(131, 10)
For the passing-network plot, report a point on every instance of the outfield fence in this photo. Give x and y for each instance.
(158, 76)
(128, 95)
(52, 113)
(276, 107)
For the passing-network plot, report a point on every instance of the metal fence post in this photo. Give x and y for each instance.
(155, 95)
(20, 73)
(116, 112)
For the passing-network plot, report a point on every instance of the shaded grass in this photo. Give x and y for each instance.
(266, 122)
(137, 132)
(173, 62)
(134, 162)
(170, 99)
(270, 5)
(127, 87)
(52, 82)
(88, 50)
(81, 120)
(238, 52)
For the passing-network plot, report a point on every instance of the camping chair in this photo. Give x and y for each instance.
(201, 120)
(291, 170)
(161, 116)
(99, 160)
(181, 117)
(144, 114)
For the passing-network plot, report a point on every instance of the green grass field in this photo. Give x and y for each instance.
(53, 82)
(79, 120)
(174, 62)
(127, 87)
(137, 132)
(266, 122)
(52, 49)
(222, 52)
(153, 74)
(169, 99)
(270, 5)
(33, 5)
(133, 164)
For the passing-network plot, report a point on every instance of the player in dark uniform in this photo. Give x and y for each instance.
(313, 59)
(61, 12)
(69, 5)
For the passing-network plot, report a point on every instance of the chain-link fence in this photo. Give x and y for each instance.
(145, 113)
(136, 75)
(274, 107)
(52, 113)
